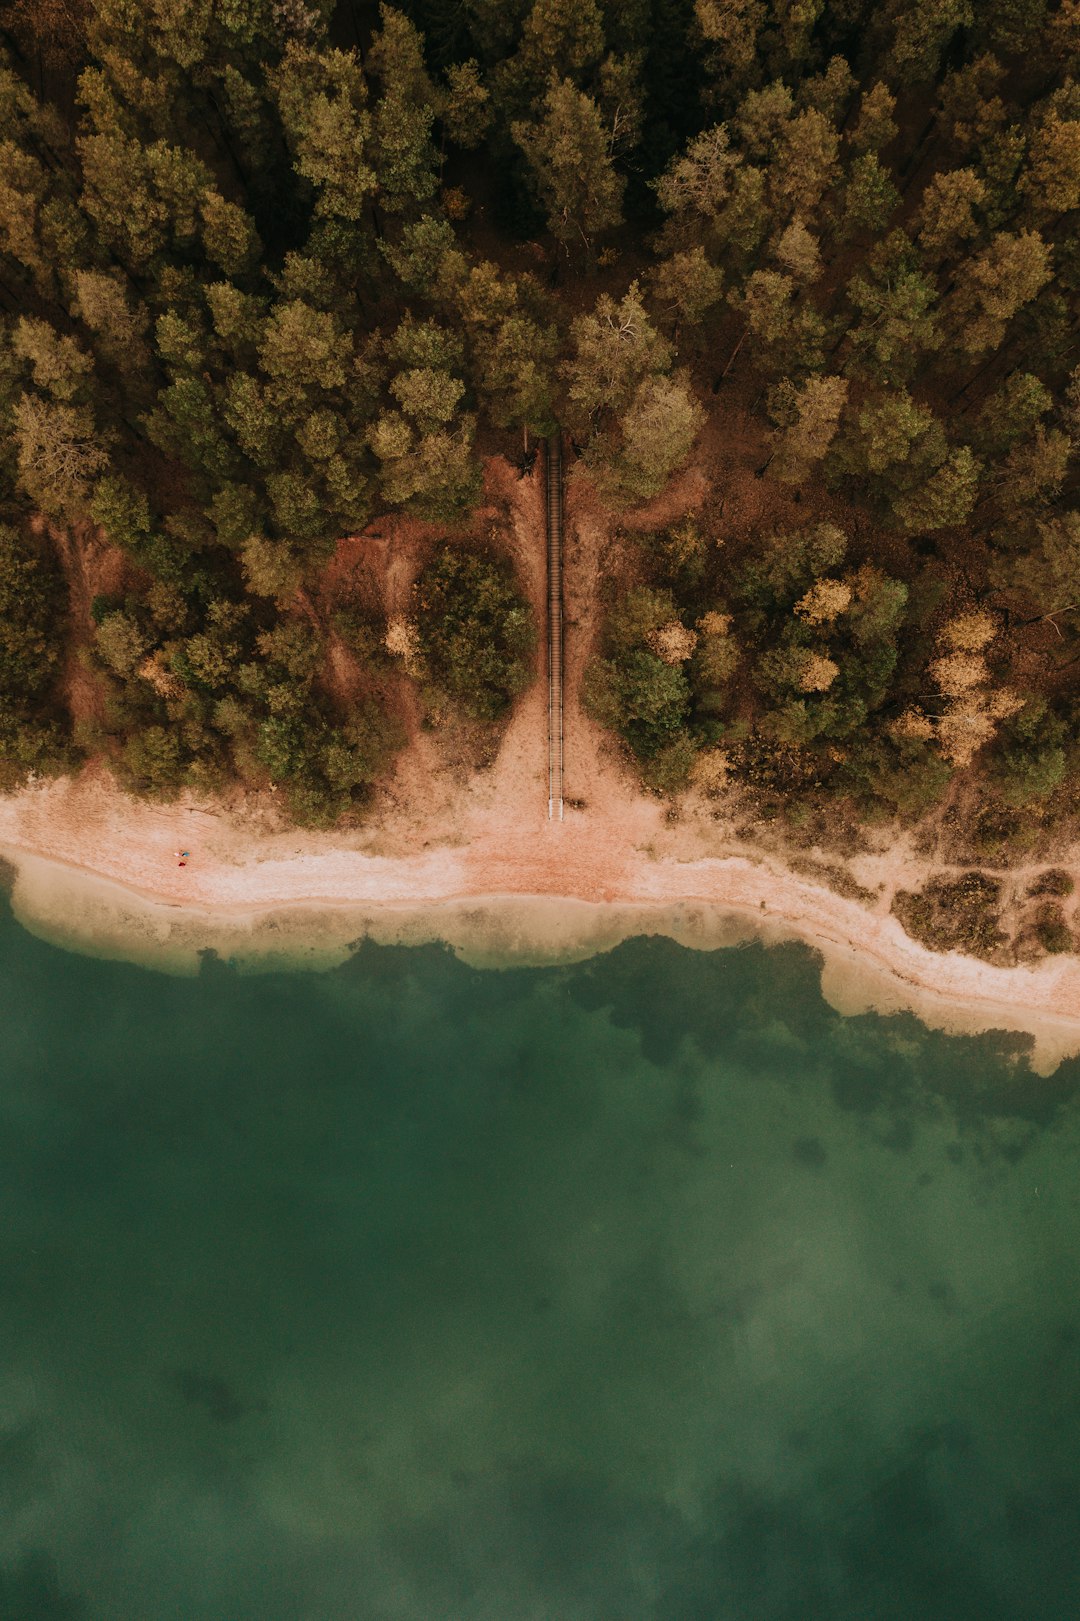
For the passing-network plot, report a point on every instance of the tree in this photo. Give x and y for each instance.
(302, 349)
(272, 569)
(1044, 565)
(807, 419)
(896, 301)
(875, 126)
(567, 151)
(731, 28)
(103, 303)
(30, 619)
(465, 106)
(658, 429)
(784, 333)
(55, 28)
(614, 349)
(435, 474)
(1034, 471)
(229, 237)
(426, 257)
(946, 497)
(713, 197)
(403, 156)
(870, 198)
(58, 364)
(475, 629)
(969, 108)
(686, 286)
(59, 454)
(322, 99)
(889, 448)
(1052, 176)
(947, 210)
(560, 40)
(786, 563)
(921, 36)
(990, 287)
(798, 251)
(512, 349)
(803, 163)
(1011, 413)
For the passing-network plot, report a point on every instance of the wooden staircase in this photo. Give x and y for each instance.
(555, 625)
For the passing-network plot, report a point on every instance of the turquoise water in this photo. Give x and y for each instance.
(646, 1289)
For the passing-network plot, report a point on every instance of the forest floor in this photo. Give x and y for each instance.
(458, 846)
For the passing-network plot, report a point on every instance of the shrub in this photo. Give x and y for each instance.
(1055, 881)
(1054, 933)
(960, 914)
(476, 630)
(640, 697)
(670, 768)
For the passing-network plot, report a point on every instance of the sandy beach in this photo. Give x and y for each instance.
(98, 871)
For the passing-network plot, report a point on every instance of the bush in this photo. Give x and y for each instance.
(1055, 881)
(33, 732)
(1054, 933)
(1030, 757)
(640, 697)
(476, 630)
(960, 914)
(669, 770)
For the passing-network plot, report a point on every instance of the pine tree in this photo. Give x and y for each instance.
(807, 418)
(567, 151)
(990, 287)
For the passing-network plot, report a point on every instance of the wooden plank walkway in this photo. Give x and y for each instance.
(555, 625)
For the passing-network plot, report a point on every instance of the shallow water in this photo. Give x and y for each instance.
(647, 1289)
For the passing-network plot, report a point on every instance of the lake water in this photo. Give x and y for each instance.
(646, 1289)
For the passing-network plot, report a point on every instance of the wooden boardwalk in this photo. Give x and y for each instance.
(555, 625)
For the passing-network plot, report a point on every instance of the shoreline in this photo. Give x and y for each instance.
(293, 899)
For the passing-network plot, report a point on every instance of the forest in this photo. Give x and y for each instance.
(271, 270)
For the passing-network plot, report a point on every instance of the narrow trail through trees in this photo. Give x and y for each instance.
(555, 625)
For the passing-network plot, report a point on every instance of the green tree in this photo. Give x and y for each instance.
(103, 302)
(807, 418)
(686, 286)
(875, 125)
(567, 152)
(946, 497)
(870, 198)
(615, 348)
(897, 302)
(323, 104)
(1052, 176)
(921, 35)
(657, 429)
(713, 198)
(403, 156)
